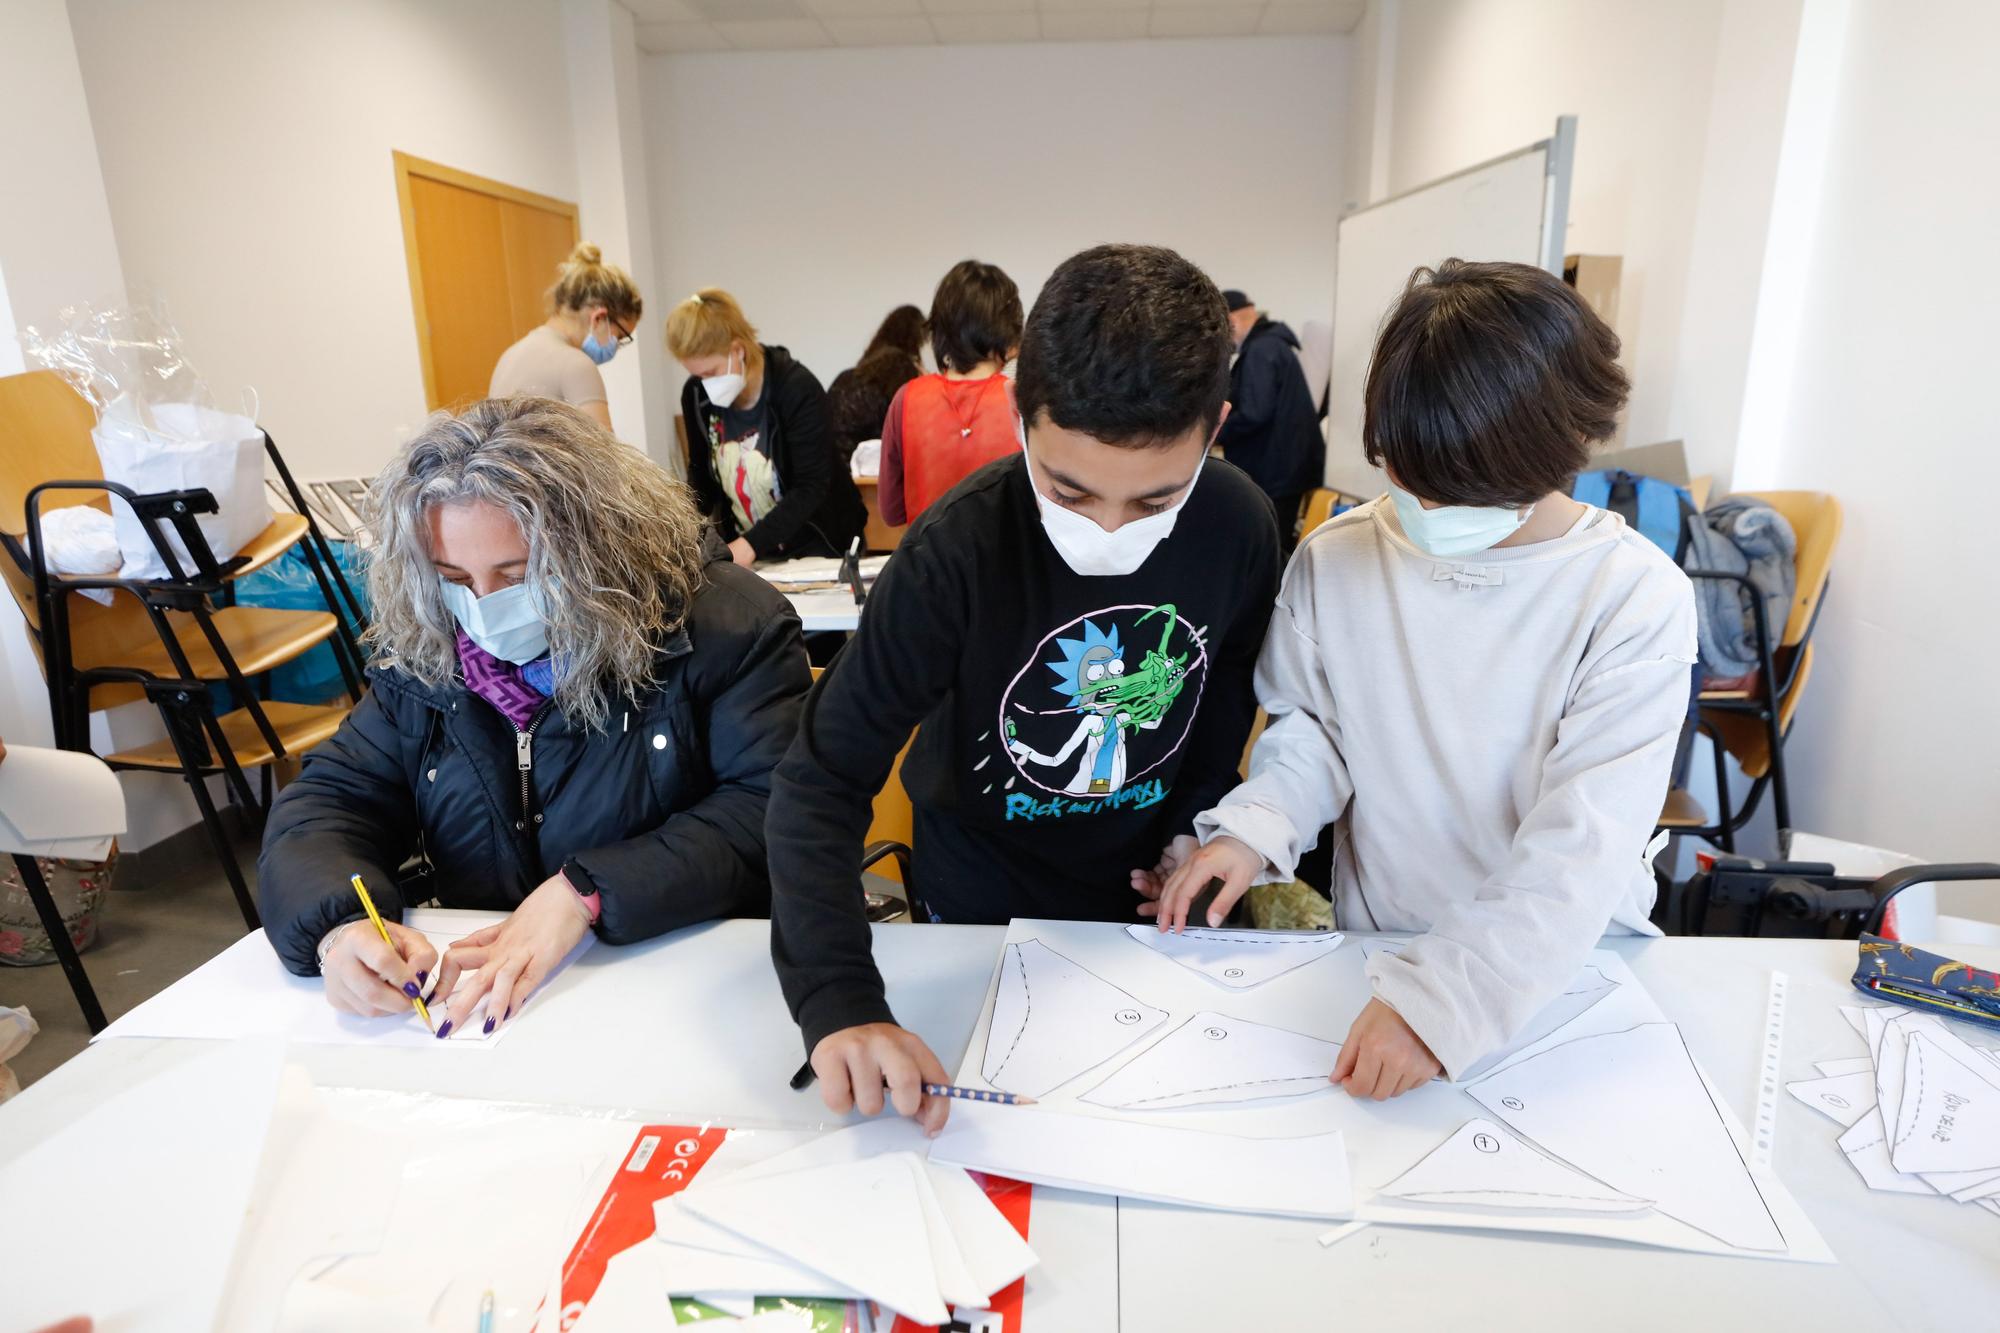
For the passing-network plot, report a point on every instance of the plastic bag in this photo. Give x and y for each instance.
(288, 583)
(158, 428)
(80, 540)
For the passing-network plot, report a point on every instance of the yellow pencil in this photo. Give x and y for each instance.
(368, 905)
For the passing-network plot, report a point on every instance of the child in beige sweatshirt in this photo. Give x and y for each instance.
(1476, 679)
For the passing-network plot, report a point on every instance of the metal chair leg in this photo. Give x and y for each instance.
(52, 922)
(226, 854)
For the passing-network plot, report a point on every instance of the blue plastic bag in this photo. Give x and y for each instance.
(287, 583)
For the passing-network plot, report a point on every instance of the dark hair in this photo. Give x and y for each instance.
(902, 331)
(1128, 344)
(1489, 384)
(975, 316)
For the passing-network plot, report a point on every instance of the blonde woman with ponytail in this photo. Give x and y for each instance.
(573, 715)
(761, 455)
(593, 311)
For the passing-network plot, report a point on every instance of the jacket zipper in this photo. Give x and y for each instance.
(524, 763)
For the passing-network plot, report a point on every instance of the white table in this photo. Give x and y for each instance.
(692, 1026)
(826, 609)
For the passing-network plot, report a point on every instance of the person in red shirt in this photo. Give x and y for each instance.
(945, 426)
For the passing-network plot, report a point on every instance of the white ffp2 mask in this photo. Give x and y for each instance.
(1088, 549)
(723, 389)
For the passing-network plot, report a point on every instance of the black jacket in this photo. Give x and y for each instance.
(661, 813)
(859, 397)
(820, 511)
(1273, 427)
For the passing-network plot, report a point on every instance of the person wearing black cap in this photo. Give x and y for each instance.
(1272, 431)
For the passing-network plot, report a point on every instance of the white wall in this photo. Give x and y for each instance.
(246, 154)
(52, 254)
(1477, 78)
(826, 187)
(616, 205)
(1898, 739)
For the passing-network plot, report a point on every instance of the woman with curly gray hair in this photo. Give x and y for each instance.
(574, 711)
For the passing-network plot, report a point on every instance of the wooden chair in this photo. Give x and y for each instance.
(1750, 725)
(891, 829)
(1320, 505)
(164, 641)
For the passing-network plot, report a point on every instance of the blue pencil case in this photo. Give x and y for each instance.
(1896, 972)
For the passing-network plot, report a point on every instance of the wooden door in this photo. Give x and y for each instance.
(482, 257)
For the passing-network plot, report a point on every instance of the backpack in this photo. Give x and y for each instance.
(1657, 510)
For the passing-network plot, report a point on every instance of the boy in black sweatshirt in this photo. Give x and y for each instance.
(1075, 629)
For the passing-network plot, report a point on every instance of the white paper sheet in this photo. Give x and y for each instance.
(1214, 1059)
(1295, 1177)
(1054, 1020)
(1842, 1098)
(313, 1155)
(1484, 1165)
(692, 1270)
(860, 1223)
(193, 1133)
(1949, 1118)
(1859, 1064)
(1238, 959)
(1632, 1110)
(976, 1250)
(59, 803)
(631, 1295)
(246, 992)
(1576, 999)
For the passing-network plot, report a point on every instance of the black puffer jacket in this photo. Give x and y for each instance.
(661, 813)
(820, 511)
(1273, 427)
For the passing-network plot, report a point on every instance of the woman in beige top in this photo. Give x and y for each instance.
(594, 309)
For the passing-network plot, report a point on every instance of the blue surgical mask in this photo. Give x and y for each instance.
(1450, 531)
(508, 624)
(597, 351)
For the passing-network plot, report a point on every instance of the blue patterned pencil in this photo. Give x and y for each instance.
(975, 1094)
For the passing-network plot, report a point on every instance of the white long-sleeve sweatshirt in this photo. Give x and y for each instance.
(1493, 736)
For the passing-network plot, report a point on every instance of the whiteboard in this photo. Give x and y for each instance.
(1512, 208)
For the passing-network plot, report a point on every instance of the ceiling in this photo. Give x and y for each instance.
(789, 25)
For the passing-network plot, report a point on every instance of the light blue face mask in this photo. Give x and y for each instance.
(1450, 531)
(597, 351)
(508, 623)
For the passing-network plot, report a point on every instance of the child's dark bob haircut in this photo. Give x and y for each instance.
(1490, 383)
(1128, 344)
(975, 316)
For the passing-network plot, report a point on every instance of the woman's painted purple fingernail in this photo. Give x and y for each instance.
(411, 989)
(489, 1026)
(444, 1031)
(422, 977)
(509, 1014)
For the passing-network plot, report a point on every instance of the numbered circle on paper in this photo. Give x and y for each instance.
(1233, 973)
(1511, 1103)
(1127, 1016)
(1485, 1143)
(1215, 1034)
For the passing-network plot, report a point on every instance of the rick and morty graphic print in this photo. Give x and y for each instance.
(1102, 701)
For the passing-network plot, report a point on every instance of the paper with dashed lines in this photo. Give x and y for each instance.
(1238, 959)
(1213, 1059)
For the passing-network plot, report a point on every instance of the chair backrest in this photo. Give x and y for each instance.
(893, 819)
(44, 436)
(1816, 520)
(1319, 508)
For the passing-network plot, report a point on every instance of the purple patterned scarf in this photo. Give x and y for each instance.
(506, 686)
